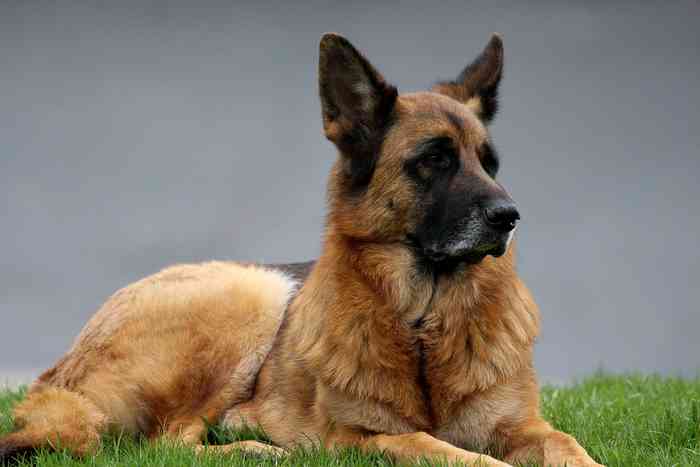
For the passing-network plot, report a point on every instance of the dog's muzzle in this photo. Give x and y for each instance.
(486, 231)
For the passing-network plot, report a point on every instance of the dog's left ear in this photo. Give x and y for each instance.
(477, 85)
(356, 104)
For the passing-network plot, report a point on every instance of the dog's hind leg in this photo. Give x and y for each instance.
(54, 418)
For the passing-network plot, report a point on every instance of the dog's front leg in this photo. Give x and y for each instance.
(412, 447)
(537, 441)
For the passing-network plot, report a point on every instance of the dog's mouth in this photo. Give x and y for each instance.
(460, 252)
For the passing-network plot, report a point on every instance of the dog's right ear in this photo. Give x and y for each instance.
(356, 104)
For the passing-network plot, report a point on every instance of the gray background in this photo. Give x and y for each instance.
(134, 137)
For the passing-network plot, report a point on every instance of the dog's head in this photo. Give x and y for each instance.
(416, 168)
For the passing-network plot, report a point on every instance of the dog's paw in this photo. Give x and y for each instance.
(580, 461)
(485, 461)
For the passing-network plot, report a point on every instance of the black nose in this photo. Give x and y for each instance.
(502, 215)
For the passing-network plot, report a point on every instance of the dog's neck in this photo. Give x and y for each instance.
(411, 288)
(367, 313)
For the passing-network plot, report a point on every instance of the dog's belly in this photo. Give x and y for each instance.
(185, 342)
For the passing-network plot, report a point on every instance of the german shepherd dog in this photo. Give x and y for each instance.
(412, 334)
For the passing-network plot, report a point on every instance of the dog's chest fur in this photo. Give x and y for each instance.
(457, 371)
(470, 390)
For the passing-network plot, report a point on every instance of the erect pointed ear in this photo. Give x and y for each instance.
(356, 103)
(477, 85)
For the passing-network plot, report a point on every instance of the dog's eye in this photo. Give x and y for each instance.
(438, 161)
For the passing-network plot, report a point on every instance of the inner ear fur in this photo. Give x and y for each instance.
(477, 85)
(356, 104)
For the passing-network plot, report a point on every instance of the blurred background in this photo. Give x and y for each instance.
(138, 134)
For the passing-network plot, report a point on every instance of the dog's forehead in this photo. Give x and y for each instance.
(430, 113)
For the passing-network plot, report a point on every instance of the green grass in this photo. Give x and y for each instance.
(621, 420)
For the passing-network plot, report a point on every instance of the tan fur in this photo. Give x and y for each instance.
(372, 352)
(53, 417)
(163, 352)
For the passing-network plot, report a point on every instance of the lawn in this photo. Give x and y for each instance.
(621, 420)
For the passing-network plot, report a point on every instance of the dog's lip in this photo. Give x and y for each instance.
(495, 249)
(472, 256)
